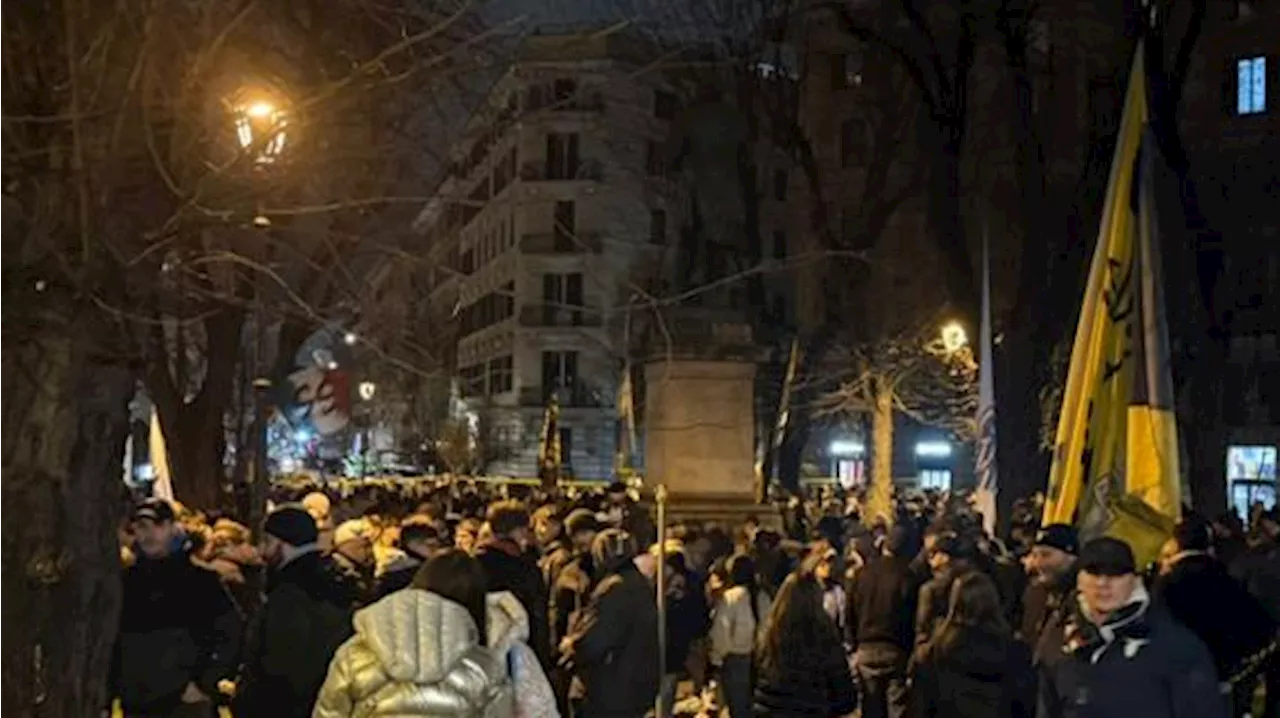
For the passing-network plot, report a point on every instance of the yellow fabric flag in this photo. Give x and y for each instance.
(1115, 459)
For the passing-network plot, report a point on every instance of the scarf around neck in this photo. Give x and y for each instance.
(1128, 624)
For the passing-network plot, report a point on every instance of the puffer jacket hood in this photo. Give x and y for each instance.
(416, 635)
(507, 619)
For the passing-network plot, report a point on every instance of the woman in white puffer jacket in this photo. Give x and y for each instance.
(418, 652)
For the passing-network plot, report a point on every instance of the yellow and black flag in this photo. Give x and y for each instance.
(1115, 460)
(549, 458)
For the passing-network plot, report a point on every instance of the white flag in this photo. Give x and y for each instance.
(985, 496)
(162, 487)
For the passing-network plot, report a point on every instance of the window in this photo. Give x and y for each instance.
(1251, 86)
(665, 105)
(852, 142)
(472, 380)
(500, 372)
(780, 184)
(559, 371)
(658, 226)
(1251, 462)
(566, 226)
(846, 71)
(654, 163)
(566, 445)
(939, 479)
(779, 244)
(563, 90)
(562, 156)
(562, 299)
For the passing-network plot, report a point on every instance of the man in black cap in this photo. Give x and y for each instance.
(301, 624)
(1126, 658)
(882, 605)
(179, 630)
(1051, 565)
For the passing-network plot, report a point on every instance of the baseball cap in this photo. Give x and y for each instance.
(1060, 536)
(153, 509)
(1107, 556)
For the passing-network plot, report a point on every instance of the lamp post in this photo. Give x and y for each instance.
(260, 132)
(366, 390)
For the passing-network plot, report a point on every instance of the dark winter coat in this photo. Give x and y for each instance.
(1146, 665)
(178, 625)
(970, 673)
(304, 620)
(1045, 618)
(357, 583)
(688, 615)
(935, 599)
(882, 603)
(1258, 569)
(806, 683)
(614, 646)
(507, 568)
(398, 576)
(1200, 595)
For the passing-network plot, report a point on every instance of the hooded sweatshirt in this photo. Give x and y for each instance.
(418, 654)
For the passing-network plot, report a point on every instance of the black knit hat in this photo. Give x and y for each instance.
(1060, 536)
(293, 525)
(1107, 556)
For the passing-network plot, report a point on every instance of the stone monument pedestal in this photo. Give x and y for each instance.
(699, 428)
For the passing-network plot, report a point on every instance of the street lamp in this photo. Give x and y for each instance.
(260, 127)
(350, 339)
(366, 390)
(954, 337)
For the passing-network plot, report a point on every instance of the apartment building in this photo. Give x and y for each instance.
(551, 223)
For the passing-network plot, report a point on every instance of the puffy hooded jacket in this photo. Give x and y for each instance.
(418, 654)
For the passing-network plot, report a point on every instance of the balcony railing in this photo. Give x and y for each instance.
(555, 315)
(589, 170)
(561, 243)
(576, 395)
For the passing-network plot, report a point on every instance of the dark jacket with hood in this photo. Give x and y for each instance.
(305, 618)
(1140, 663)
(178, 625)
(399, 574)
(1202, 596)
(507, 568)
(614, 646)
(882, 604)
(968, 672)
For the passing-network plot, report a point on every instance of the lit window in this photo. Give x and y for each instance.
(1251, 85)
(1251, 462)
(939, 479)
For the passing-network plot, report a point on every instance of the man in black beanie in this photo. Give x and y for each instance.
(1050, 597)
(300, 626)
(882, 607)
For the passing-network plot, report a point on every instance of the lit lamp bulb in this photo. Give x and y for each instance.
(954, 337)
(367, 390)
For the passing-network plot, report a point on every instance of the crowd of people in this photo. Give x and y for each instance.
(471, 600)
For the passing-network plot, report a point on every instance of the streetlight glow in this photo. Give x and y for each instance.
(954, 337)
(350, 339)
(261, 124)
(367, 390)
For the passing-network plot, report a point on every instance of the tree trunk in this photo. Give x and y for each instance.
(65, 423)
(879, 501)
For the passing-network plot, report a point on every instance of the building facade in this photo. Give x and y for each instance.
(1231, 128)
(543, 239)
